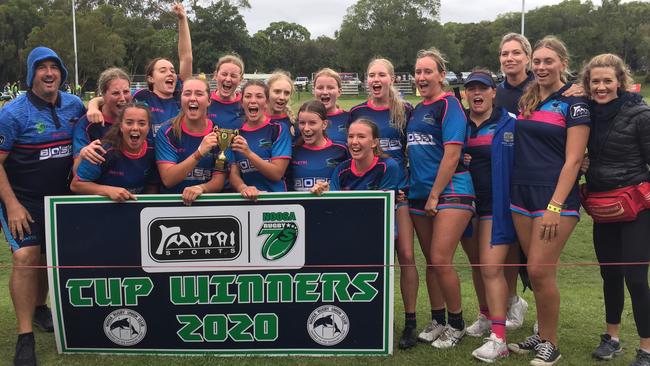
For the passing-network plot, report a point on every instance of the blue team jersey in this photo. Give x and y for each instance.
(508, 95)
(540, 148)
(310, 165)
(383, 174)
(269, 141)
(170, 149)
(479, 146)
(282, 119)
(391, 139)
(161, 109)
(337, 128)
(85, 132)
(122, 169)
(226, 114)
(434, 124)
(37, 136)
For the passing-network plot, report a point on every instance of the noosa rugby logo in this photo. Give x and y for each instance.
(194, 238)
(282, 232)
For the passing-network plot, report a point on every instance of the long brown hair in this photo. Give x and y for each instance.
(377, 151)
(113, 136)
(151, 67)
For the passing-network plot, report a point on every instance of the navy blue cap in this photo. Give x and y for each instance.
(480, 77)
(39, 54)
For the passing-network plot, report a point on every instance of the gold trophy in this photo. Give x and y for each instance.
(224, 138)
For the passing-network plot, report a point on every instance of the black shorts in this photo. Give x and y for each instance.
(532, 201)
(416, 207)
(37, 237)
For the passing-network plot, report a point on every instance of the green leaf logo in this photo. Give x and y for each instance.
(280, 241)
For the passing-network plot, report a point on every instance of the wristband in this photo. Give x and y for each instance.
(558, 204)
(551, 207)
(197, 155)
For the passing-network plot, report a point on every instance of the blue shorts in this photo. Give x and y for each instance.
(37, 237)
(532, 201)
(416, 207)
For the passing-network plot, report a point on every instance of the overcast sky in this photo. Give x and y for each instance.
(325, 17)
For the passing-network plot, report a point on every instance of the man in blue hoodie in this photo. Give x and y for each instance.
(35, 161)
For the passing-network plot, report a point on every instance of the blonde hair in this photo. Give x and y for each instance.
(377, 151)
(176, 122)
(532, 95)
(395, 103)
(523, 41)
(230, 59)
(283, 75)
(623, 74)
(437, 57)
(107, 76)
(330, 73)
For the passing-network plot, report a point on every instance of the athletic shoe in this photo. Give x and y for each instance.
(449, 338)
(480, 327)
(43, 318)
(431, 332)
(493, 349)
(516, 314)
(546, 354)
(408, 339)
(526, 346)
(25, 351)
(607, 349)
(642, 358)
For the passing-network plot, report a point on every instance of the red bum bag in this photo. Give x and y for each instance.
(617, 205)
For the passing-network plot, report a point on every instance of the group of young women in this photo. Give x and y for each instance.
(500, 175)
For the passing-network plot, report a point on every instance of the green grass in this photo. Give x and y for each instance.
(581, 322)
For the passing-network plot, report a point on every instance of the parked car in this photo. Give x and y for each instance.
(464, 75)
(498, 77)
(301, 83)
(451, 78)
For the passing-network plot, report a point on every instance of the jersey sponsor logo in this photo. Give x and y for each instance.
(416, 138)
(429, 119)
(156, 110)
(342, 128)
(579, 110)
(40, 127)
(55, 152)
(246, 166)
(332, 162)
(508, 139)
(155, 129)
(307, 182)
(194, 238)
(265, 143)
(199, 174)
(390, 144)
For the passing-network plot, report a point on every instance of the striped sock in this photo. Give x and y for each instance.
(409, 320)
(456, 320)
(499, 327)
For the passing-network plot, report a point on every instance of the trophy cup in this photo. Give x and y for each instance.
(224, 138)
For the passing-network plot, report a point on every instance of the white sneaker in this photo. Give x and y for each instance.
(516, 314)
(480, 327)
(449, 338)
(431, 332)
(493, 349)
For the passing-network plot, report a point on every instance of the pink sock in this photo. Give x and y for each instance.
(499, 327)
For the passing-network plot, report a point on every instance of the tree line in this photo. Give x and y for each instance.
(128, 33)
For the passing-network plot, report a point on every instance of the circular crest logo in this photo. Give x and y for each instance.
(125, 327)
(328, 325)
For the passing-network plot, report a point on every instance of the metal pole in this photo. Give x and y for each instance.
(523, 14)
(74, 41)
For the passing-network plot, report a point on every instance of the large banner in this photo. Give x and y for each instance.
(290, 274)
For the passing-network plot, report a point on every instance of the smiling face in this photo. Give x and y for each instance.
(548, 68)
(117, 95)
(228, 78)
(195, 100)
(279, 96)
(361, 143)
(254, 103)
(603, 84)
(47, 80)
(163, 77)
(480, 97)
(427, 78)
(134, 129)
(379, 81)
(326, 89)
(513, 59)
(312, 128)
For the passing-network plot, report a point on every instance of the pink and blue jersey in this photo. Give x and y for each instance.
(383, 174)
(337, 127)
(171, 149)
(122, 169)
(85, 132)
(310, 165)
(269, 141)
(479, 146)
(226, 114)
(541, 138)
(161, 109)
(433, 125)
(391, 139)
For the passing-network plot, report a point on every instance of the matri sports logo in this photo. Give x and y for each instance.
(579, 110)
(194, 238)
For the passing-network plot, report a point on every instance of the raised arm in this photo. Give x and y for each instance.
(184, 43)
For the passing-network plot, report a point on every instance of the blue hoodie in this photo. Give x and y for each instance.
(503, 149)
(39, 54)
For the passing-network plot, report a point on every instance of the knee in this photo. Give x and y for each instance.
(27, 256)
(540, 275)
(441, 265)
(405, 257)
(636, 281)
(491, 272)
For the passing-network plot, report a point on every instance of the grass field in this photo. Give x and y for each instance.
(581, 321)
